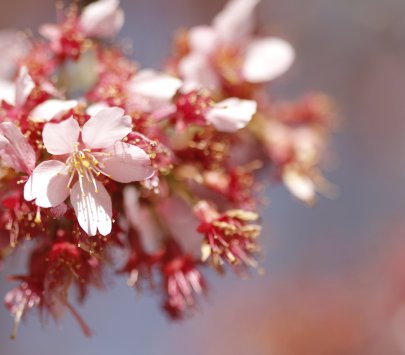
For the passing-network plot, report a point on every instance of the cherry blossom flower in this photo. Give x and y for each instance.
(231, 35)
(229, 237)
(102, 19)
(199, 108)
(100, 151)
(88, 138)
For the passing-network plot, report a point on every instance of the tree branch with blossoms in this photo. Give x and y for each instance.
(167, 166)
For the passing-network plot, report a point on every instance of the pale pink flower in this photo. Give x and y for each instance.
(100, 19)
(262, 59)
(94, 149)
(15, 151)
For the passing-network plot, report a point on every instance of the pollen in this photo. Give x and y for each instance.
(85, 165)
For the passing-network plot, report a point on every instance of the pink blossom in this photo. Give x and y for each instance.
(99, 151)
(101, 19)
(261, 59)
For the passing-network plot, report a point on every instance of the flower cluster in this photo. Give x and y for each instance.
(98, 155)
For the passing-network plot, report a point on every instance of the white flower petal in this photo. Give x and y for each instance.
(18, 153)
(202, 39)
(61, 138)
(157, 88)
(300, 185)
(106, 127)
(24, 86)
(236, 21)
(7, 91)
(94, 109)
(231, 114)
(51, 109)
(13, 46)
(266, 59)
(48, 184)
(127, 163)
(3, 142)
(196, 71)
(93, 209)
(102, 18)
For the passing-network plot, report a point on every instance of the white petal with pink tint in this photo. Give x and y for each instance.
(93, 209)
(267, 59)
(202, 39)
(18, 153)
(127, 163)
(106, 127)
(24, 86)
(196, 71)
(48, 184)
(50, 32)
(300, 185)
(3, 142)
(61, 138)
(157, 88)
(102, 18)
(231, 114)
(51, 109)
(94, 109)
(236, 21)
(7, 91)
(13, 46)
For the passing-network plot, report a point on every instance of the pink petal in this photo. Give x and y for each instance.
(95, 108)
(203, 39)
(102, 18)
(127, 163)
(140, 218)
(18, 153)
(236, 21)
(3, 142)
(50, 31)
(196, 71)
(23, 88)
(61, 138)
(157, 88)
(231, 114)
(106, 127)
(48, 184)
(267, 59)
(93, 209)
(51, 109)
(300, 185)
(7, 91)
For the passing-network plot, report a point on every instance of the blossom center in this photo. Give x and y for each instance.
(86, 165)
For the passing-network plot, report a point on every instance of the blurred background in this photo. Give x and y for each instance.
(335, 274)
